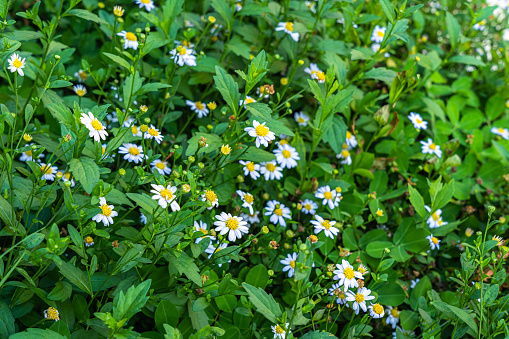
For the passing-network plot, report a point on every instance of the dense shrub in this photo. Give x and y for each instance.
(254, 169)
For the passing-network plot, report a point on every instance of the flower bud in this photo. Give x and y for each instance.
(144, 128)
(186, 188)
(121, 172)
(27, 137)
(287, 246)
(301, 62)
(266, 196)
(144, 109)
(201, 165)
(313, 238)
(191, 159)
(303, 247)
(284, 81)
(290, 233)
(211, 19)
(382, 115)
(240, 178)
(265, 230)
(270, 273)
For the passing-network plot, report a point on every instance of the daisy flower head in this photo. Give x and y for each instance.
(301, 118)
(251, 169)
(499, 239)
(247, 101)
(344, 156)
(289, 263)
(327, 226)
(153, 133)
(418, 121)
(359, 299)
(315, 73)
(211, 197)
(183, 56)
(278, 212)
(503, 132)
(52, 314)
(270, 170)
(226, 149)
(434, 242)
(29, 155)
(107, 213)
(435, 219)
(200, 226)
(161, 167)
(48, 171)
(362, 269)
(165, 196)
(89, 241)
(479, 26)
(351, 141)
(198, 107)
(279, 332)
(16, 64)
(80, 90)
(328, 196)
(261, 132)
(287, 27)
(231, 225)
(378, 34)
(376, 311)
(430, 147)
(148, 4)
(247, 199)
(336, 291)
(133, 152)
(286, 156)
(392, 316)
(251, 218)
(81, 75)
(130, 39)
(309, 206)
(95, 127)
(346, 275)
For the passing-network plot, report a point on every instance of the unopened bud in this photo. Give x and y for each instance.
(121, 172)
(191, 159)
(265, 230)
(186, 188)
(290, 233)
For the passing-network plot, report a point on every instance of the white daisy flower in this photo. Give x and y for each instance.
(414, 282)
(270, 170)
(261, 132)
(251, 218)
(81, 76)
(376, 311)
(328, 196)
(431, 148)
(247, 199)
(287, 27)
(16, 63)
(279, 332)
(211, 196)
(200, 226)
(351, 141)
(96, 129)
(67, 177)
(80, 90)
(503, 132)
(286, 156)
(344, 156)
(48, 171)
(346, 275)
(301, 118)
(336, 291)
(434, 242)
(375, 47)
(327, 226)
(148, 4)
(103, 150)
(278, 212)
(359, 299)
(418, 121)
(392, 316)
(251, 169)
(130, 40)
(198, 107)
(214, 249)
(479, 26)
(289, 263)
(107, 213)
(165, 195)
(153, 132)
(161, 167)
(234, 226)
(136, 131)
(143, 218)
(315, 73)
(29, 155)
(132, 152)
(378, 34)
(183, 56)
(247, 101)
(435, 219)
(309, 207)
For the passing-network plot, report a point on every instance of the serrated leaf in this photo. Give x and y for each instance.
(86, 171)
(264, 303)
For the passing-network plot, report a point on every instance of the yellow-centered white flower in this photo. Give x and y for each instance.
(231, 225)
(96, 129)
(347, 275)
(107, 213)
(165, 196)
(16, 64)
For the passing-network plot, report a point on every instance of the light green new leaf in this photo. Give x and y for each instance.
(453, 28)
(119, 60)
(86, 171)
(75, 276)
(128, 304)
(388, 9)
(89, 16)
(228, 88)
(417, 201)
(260, 110)
(264, 303)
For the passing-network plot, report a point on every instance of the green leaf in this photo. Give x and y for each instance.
(226, 303)
(434, 108)
(443, 196)
(200, 304)
(453, 28)
(223, 8)
(453, 312)
(318, 335)
(144, 201)
(409, 320)
(7, 326)
(62, 114)
(390, 294)
(495, 106)
(6, 211)
(417, 201)
(84, 14)
(228, 88)
(420, 290)
(376, 248)
(75, 276)
(467, 60)
(60, 84)
(335, 135)
(380, 73)
(186, 265)
(260, 110)
(257, 155)
(128, 304)
(388, 9)
(264, 303)
(61, 292)
(37, 333)
(491, 294)
(152, 87)
(257, 276)
(86, 171)
(119, 60)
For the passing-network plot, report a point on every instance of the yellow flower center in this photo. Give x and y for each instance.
(292, 264)
(161, 165)
(435, 216)
(47, 170)
(359, 297)
(434, 240)
(501, 130)
(204, 231)
(80, 92)
(345, 153)
(225, 149)
(82, 75)
(361, 269)
(199, 105)
(349, 273)
(308, 207)
(67, 175)
(301, 120)
(419, 121)
(289, 26)
(381, 34)
(248, 198)
(278, 212)
(395, 312)
(250, 166)
(270, 167)
(89, 239)
(379, 213)
(287, 154)
(145, 1)
(378, 309)
(134, 129)
(131, 37)
(52, 314)
(182, 50)
(326, 224)
(341, 295)
(29, 153)
(279, 329)
(166, 194)
(327, 195)
(17, 63)
(232, 223)
(338, 189)
(96, 124)
(249, 100)
(106, 210)
(134, 151)
(320, 75)
(433, 146)
(104, 149)
(210, 195)
(262, 130)
(153, 132)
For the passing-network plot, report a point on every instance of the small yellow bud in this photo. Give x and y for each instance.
(144, 128)
(212, 105)
(144, 108)
(226, 149)
(27, 137)
(265, 230)
(284, 81)
(301, 62)
(211, 19)
(379, 213)
(118, 11)
(101, 5)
